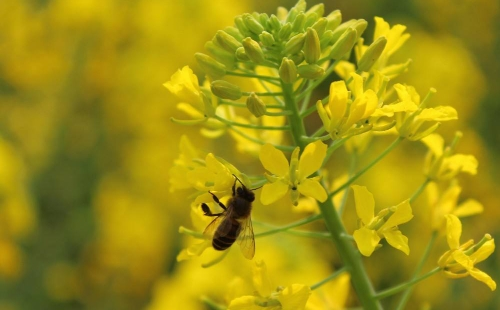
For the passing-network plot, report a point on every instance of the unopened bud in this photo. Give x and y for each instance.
(211, 66)
(311, 18)
(311, 72)
(320, 26)
(234, 32)
(340, 29)
(325, 39)
(298, 23)
(240, 24)
(319, 9)
(253, 50)
(285, 32)
(267, 39)
(227, 41)
(220, 54)
(241, 55)
(252, 24)
(295, 44)
(274, 23)
(225, 90)
(255, 105)
(288, 71)
(360, 26)
(372, 54)
(334, 19)
(297, 58)
(312, 49)
(344, 44)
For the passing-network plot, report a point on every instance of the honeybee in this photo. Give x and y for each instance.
(234, 222)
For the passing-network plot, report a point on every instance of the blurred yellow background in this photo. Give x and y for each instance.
(87, 220)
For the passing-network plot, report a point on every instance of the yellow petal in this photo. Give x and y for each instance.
(435, 143)
(397, 240)
(438, 114)
(366, 240)
(484, 251)
(294, 297)
(261, 280)
(483, 277)
(244, 303)
(462, 163)
(365, 204)
(468, 208)
(453, 231)
(273, 160)
(338, 101)
(356, 85)
(271, 192)
(312, 188)
(464, 260)
(402, 215)
(311, 159)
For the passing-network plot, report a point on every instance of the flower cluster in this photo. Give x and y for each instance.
(260, 77)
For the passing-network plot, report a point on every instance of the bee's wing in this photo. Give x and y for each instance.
(210, 230)
(246, 239)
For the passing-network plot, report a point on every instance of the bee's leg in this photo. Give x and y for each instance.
(216, 199)
(207, 212)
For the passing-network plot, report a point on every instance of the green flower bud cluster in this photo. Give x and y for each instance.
(296, 42)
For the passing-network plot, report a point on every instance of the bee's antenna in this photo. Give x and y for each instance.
(244, 184)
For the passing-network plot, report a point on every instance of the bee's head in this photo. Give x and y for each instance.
(245, 193)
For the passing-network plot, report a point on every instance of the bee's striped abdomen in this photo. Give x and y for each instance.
(224, 238)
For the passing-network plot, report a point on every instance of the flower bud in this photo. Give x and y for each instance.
(288, 71)
(295, 44)
(267, 39)
(297, 58)
(312, 50)
(360, 26)
(252, 24)
(372, 54)
(274, 23)
(340, 29)
(285, 32)
(311, 18)
(298, 23)
(334, 19)
(310, 71)
(263, 19)
(325, 39)
(211, 66)
(255, 105)
(344, 44)
(225, 90)
(226, 41)
(320, 26)
(318, 9)
(241, 55)
(253, 50)
(221, 55)
(234, 32)
(240, 24)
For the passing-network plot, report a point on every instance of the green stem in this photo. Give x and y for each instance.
(294, 121)
(289, 226)
(252, 126)
(419, 190)
(212, 305)
(352, 167)
(348, 253)
(367, 167)
(350, 257)
(269, 94)
(398, 288)
(327, 279)
(252, 75)
(407, 293)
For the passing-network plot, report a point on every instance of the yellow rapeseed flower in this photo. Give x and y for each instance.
(461, 259)
(383, 225)
(293, 177)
